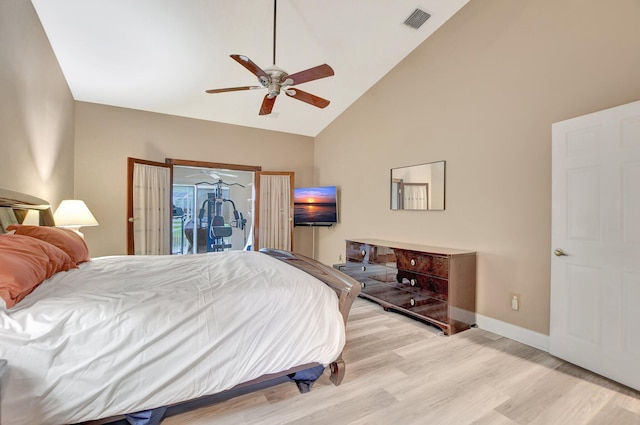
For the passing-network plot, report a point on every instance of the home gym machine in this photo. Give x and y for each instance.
(217, 229)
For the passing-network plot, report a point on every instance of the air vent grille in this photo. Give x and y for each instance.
(417, 18)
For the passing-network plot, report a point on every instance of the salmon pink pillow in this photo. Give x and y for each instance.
(24, 263)
(65, 239)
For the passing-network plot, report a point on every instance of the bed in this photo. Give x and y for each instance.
(116, 335)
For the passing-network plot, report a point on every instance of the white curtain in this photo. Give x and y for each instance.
(275, 212)
(151, 210)
(415, 197)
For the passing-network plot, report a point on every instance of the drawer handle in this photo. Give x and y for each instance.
(362, 284)
(364, 253)
(364, 268)
(413, 261)
(412, 302)
(413, 282)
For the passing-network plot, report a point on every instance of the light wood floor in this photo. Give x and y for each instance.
(400, 371)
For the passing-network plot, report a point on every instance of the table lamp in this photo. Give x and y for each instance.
(74, 214)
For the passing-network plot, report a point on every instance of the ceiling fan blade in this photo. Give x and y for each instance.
(315, 73)
(234, 89)
(307, 97)
(252, 67)
(267, 105)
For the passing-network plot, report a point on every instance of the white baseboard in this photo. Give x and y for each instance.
(507, 330)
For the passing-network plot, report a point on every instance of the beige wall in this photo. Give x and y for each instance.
(106, 136)
(36, 109)
(482, 94)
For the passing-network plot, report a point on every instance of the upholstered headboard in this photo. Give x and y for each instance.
(15, 205)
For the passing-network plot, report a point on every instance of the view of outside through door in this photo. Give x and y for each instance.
(212, 210)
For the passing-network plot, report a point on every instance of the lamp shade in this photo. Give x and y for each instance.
(74, 213)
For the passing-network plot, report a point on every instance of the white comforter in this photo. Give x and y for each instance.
(122, 334)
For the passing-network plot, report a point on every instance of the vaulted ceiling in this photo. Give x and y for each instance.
(161, 55)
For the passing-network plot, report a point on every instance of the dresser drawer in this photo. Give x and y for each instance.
(419, 262)
(421, 304)
(433, 286)
(372, 254)
(432, 310)
(357, 251)
(364, 272)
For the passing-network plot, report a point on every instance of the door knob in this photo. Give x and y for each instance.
(131, 219)
(558, 252)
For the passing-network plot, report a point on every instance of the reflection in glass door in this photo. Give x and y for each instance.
(183, 208)
(213, 210)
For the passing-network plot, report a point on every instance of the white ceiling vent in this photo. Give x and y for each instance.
(417, 18)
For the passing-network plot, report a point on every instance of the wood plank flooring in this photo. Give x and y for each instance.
(401, 371)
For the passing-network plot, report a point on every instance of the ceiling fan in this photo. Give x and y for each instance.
(276, 79)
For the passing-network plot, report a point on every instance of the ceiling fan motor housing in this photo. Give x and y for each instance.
(276, 77)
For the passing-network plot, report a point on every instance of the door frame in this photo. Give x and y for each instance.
(205, 164)
(171, 162)
(235, 167)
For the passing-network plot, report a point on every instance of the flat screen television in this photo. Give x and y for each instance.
(315, 206)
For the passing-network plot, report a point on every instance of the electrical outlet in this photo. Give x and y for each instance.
(515, 302)
(339, 257)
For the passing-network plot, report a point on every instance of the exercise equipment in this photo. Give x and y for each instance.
(218, 230)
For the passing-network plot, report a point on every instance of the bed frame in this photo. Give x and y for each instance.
(346, 288)
(21, 203)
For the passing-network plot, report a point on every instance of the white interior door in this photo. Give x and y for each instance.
(595, 260)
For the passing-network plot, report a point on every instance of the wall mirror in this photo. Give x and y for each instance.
(418, 187)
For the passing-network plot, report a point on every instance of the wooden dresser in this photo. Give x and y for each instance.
(434, 284)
